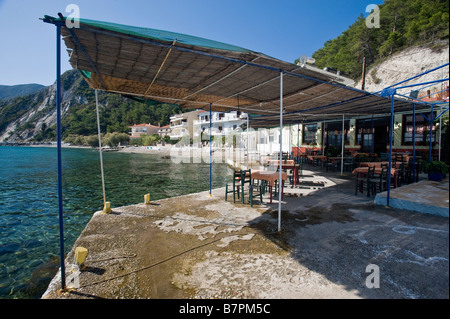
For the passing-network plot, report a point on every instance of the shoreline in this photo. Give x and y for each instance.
(190, 154)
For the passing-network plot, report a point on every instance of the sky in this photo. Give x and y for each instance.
(283, 29)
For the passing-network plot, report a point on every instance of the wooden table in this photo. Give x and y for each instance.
(365, 170)
(313, 158)
(277, 162)
(271, 177)
(378, 164)
(290, 164)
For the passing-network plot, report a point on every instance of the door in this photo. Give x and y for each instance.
(381, 139)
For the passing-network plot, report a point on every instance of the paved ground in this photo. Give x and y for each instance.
(333, 244)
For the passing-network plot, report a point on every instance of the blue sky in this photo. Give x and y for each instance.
(284, 29)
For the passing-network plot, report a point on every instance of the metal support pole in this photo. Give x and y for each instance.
(210, 150)
(391, 134)
(100, 149)
(414, 143)
(280, 184)
(298, 141)
(440, 134)
(342, 150)
(372, 133)
(248, 139)
(431, 119)
(58, 131)
(290, 140)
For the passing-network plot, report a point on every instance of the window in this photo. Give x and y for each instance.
(422, 133)
(309, 133)
(334, 133)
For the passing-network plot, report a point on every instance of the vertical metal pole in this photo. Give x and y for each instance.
(58, 131)
(210, 150)
(280, 184)
(342, 150)
(390, 150)
(372, 133)
(431, 119)
(248, 140)
(298, 141)
(440, 131)
(290, 139)
(100, 149)
(323, 137)
(414, 143)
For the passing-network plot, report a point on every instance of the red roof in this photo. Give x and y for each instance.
(140, 125)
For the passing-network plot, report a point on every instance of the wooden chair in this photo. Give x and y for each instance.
(361, 179)
(378, 181)
(254, 190)
(401, 175)
(349, 163)
(235, 186)
(384, 157)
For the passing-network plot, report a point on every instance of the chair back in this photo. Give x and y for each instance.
(348, 159)
(384, 172)
(384, 157)
(246, 177)
(370, 172)
(237, 177)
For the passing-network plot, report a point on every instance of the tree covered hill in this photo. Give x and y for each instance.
(12, 91)
(403, 23)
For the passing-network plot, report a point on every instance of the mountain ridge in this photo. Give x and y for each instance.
(12, 91)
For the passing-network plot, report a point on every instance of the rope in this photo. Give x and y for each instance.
(100, 148)
(161, 66)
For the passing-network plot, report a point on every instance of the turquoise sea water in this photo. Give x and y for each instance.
(29, 225)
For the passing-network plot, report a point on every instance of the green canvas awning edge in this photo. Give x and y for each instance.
(159, 35)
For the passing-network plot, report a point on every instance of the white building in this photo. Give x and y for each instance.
(222, 123)
(183, 124)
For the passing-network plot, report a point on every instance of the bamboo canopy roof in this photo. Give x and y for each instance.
(195, 73)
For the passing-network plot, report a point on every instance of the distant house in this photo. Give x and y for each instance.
(222, 123)
(183, 124)
(143, 129)
(164, 131)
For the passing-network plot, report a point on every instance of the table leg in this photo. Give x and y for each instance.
(270, 187)
(360, 183)
(296, 176)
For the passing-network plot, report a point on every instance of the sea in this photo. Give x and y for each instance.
(29, 224)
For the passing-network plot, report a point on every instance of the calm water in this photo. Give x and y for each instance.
(29, 229)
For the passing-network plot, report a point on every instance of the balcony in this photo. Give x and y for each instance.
(220, 119)
(179, 123)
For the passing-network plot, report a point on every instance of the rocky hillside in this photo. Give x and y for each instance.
(26, 117)
(33, 117)
(406, 64)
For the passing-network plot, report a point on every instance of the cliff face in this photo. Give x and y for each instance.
(25, 117)
(406, 64)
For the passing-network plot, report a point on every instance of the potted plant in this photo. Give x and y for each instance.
(436, 170)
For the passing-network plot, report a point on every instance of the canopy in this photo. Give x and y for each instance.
(194, 73)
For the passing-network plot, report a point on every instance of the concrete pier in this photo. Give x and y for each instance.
(199, 246)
